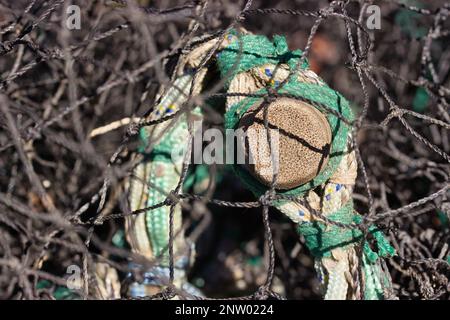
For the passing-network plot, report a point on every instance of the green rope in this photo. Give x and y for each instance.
(157, 219)
(321, 238)
(249, 51)
(373, 288)
(257, 51)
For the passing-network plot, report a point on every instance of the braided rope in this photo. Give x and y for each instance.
(264, 65)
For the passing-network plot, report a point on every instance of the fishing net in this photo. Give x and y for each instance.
(77, 105)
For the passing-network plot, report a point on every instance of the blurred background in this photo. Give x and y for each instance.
(58, 85)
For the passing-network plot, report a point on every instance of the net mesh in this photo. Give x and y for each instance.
(70, 104)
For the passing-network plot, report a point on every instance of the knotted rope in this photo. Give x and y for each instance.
(255, 69)
(258, 66)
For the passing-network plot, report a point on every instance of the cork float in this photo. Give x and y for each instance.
(299, 153)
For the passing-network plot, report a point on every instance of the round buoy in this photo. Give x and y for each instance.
(301, 140)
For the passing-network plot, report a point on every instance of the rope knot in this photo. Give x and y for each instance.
(172, 198)
(358, 61)
(267, 198)
(133, 129)
(325, 12)
(168, 293)
(261, 294)
(271, 95)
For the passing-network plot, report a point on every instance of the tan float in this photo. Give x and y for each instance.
(304, 139)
